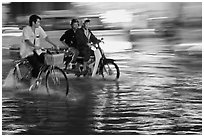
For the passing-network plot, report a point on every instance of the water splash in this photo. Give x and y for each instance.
(11, 82)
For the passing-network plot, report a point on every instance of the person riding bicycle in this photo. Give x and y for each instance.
(69, 40)
(30, 48)
(84, 38)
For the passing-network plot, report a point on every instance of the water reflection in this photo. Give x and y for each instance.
(158, 93)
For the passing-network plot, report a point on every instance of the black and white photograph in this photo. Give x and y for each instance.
(101, 68)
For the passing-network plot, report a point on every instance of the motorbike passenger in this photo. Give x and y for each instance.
(31, 48)
(84, 38)
(69, 40)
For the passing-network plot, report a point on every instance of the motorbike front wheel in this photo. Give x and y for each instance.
(110, 71)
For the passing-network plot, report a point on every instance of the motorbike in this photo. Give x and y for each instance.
(98, 64)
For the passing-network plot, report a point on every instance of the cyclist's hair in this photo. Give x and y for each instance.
(74, 21)
(33, 18)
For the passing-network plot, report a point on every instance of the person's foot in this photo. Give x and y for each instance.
(78, 74)
(34, 84)
(84, 72)
(71, 66)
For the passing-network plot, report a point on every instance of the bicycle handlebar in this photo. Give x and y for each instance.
(51, 50)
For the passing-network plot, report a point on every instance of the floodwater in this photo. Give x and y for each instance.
(159, 92)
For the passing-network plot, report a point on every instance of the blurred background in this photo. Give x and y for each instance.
(178, 22)
(106, 15)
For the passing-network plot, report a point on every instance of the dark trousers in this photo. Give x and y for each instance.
(75, 54)
(86, 53)
(36, 62)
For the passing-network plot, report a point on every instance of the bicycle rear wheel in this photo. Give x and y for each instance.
(57, 81)
(22, 71)
(110, 71)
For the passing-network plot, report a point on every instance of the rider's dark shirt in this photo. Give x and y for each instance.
(70, 38)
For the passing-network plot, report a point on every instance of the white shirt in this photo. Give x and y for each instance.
(28, 34)
(87, 33)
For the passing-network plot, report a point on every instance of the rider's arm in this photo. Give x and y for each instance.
(28, 42)
(63, 38)
(63, 42)
(93, 38)
(50, 41)
(44, 35)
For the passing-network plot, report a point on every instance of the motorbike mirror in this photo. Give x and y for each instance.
(101, 38)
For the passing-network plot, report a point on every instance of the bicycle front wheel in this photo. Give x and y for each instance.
(110, 71)
(57, 81)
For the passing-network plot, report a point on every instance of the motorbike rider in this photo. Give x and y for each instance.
(84, 38)
(31, 48)
(69, 40)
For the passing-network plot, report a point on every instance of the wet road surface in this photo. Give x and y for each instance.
(159, 92)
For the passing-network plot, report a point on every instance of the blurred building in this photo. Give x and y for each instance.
(56, 15)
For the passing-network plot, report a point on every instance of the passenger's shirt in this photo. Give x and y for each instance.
(87, 34)
(28, 34)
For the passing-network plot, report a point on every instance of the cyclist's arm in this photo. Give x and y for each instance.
(93, 38)
(45, 36)
(67, 46)
(50, 41)
(63, 38)
(29, 43)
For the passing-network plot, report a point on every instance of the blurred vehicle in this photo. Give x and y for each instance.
(60, 20)
(164, 26)
(56, 23)
(194, 48)
(11, 39)
(95, 24)
(11, 31)
(166, 29)
(195, 22)
(62, 23)
(49, 21)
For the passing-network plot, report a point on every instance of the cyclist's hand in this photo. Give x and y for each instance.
(56, 47)
(69, 49)
(37, 48)
(89, 44)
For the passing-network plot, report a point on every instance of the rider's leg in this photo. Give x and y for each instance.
(35, 69)
(34, 62)
(41, 58)
(36, 65)
(87, 53)
(76, 53)
(74, 57)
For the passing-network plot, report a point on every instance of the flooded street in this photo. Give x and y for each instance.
(159, 92)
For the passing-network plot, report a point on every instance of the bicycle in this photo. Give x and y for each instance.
(55, 77)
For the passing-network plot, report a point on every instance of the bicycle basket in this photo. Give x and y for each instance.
(54, 59)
